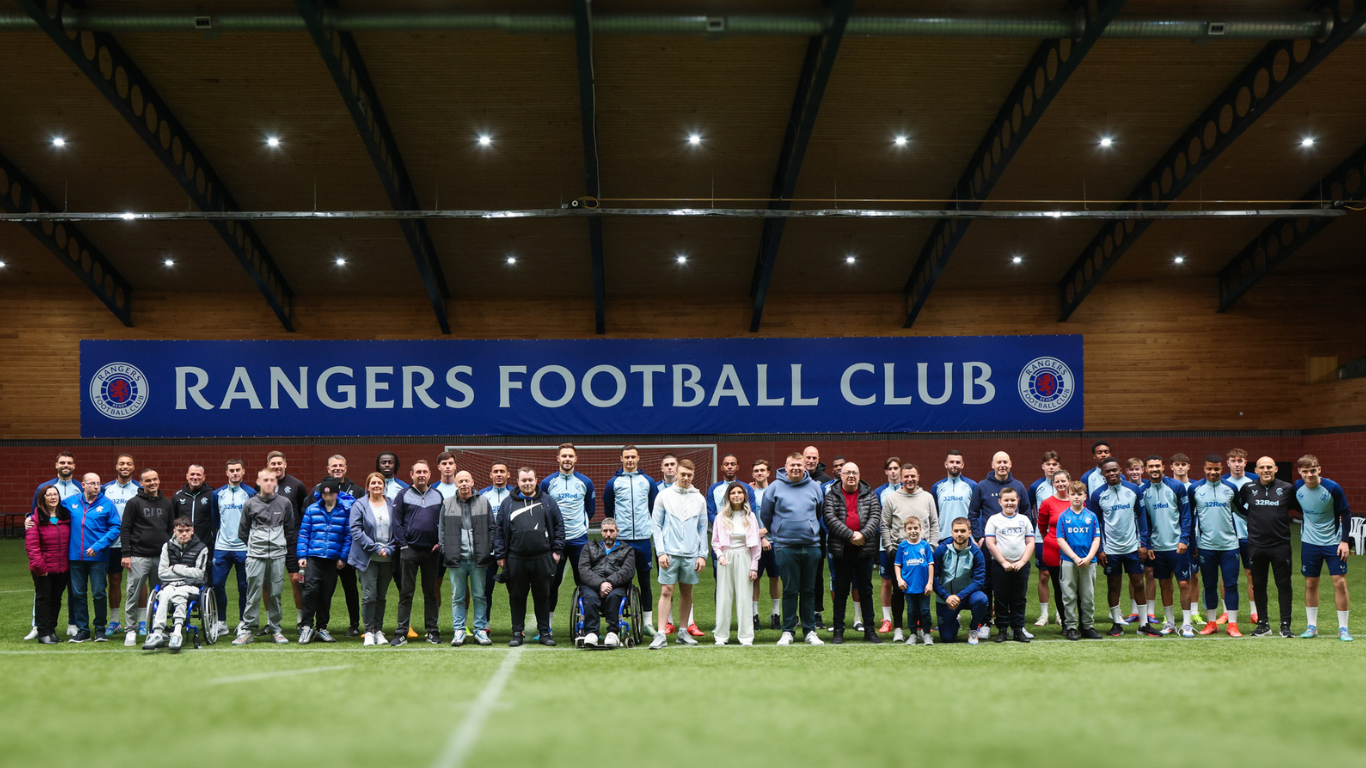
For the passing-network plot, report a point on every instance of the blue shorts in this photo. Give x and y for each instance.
(767, 565)
(1312, 558)
(643, 547)
(1116, 564)
(1171, 563)
(886, 568)
(1245, 554)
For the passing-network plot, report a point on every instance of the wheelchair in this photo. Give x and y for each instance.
(202, 609)
(632, 622)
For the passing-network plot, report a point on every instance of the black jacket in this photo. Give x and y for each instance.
(1267, 512)
(527, 526)
(198, 506)
(346, 487)
(453, 523)
(293, 488)
(597, 565)
(146, 525)
(184, 565)
(869, 515)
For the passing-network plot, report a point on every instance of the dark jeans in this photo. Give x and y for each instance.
(595, 605)
(89, 577)
(1011, 588)
(530, 575)
(820, 572)
(852, 569)
(1278, 560)
(570, 559)
(320, 583)
(426, 565)
(47, 600)
(797, 566)
(918, 612)
(490, 581)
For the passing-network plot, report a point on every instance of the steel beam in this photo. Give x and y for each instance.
(1043, 78)
(1271, 75)
(815, 75)
(112, 71)
(18, 194)
(588, 117)
(342, 57)
(1284, 236)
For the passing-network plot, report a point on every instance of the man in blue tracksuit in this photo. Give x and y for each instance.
(1094, 477)
(1211, 503)
(630, 498)
(790, 511)
(960, 574)
(1167, 507)
(952, 495)
(1123, 529)
(573, 491)
(119, 491)
(1324, 538)
(95, 527)
(496, 494)
(229, 551)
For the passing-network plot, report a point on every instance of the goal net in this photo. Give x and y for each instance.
(598, 462)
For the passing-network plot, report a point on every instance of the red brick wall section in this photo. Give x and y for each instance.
(1343, 457)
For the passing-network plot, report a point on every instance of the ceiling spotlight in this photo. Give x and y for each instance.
(341, 262)
(1180, 259)
(850, 259)
(1106, 142)
(694, 139)
(58, 142)
(900, 141)
(682, 259)
(169, 262)
(1307, 142)
(127, 217)
(272, 141)
(1016, 259)
(512, 259)
(485, 141)
(2, 265)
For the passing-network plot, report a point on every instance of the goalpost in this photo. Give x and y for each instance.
(598, 462)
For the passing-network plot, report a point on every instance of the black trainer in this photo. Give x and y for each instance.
(819, 623)
(1150, 630)
(80, 637)
(838, 637)
(400, 638)
(774, 622)
(434, 638)
(1263, 630)
(517, 639)
(1285, 629)
(547, 639)
(758, 625)
(1090, 633)
(1115, 630)
(353, 631)
(1019, 636)
(1071, 634)
(1001, 635)
(870, 636)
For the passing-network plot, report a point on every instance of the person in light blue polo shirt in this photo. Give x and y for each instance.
(229, 551)
(1123, 529)
(1167, 505)
(1211, 503)
(573, 491)
(953, 494)
(497, 493)
(1324, 538)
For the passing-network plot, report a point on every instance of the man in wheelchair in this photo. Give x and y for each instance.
(605, 569)
(182, 570)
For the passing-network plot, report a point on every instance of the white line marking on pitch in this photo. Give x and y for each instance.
(282, 673)
(462, 739)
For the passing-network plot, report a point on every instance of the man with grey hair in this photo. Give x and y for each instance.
(466, 544)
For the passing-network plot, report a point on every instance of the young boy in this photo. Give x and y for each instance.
(269, 528)
(182, 570)
(915, 576)
(1078, 533)
(1010, 540)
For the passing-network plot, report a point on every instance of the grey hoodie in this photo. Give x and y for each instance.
(900, 506)
(270, 528)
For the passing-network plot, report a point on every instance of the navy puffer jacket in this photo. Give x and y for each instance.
(326, 535)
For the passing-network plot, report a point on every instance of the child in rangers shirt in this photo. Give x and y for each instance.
(915, 577)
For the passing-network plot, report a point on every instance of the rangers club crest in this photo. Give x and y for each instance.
(118, 390)
(1047, 384)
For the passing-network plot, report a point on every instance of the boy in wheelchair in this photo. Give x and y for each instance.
(182, 572)
(605, 569)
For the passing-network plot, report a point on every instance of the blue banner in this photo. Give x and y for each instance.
(166, 389)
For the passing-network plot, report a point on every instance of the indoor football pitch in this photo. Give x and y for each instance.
(1168, 701)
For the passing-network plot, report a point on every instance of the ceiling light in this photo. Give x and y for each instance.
(169, 262)
(1180, 259)
(682, 259)
(850, 259)
(58, 142)
(512, 259)
(272, 141)
(341, 262)
(1307, 142)
(900, 141)
(1016, 259)
(485, 141)
(127, 217)
(2, 265)
(694, 139)
(1106, 142)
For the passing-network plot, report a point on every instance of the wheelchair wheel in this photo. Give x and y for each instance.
(153, 598)
(631, 613)
(576, 632)
(208, 615)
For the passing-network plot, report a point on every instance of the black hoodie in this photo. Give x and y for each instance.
(146, 524)
(197, 504)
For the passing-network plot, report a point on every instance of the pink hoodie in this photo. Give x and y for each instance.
(720, 539)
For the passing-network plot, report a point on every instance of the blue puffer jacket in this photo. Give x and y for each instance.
(326, 534)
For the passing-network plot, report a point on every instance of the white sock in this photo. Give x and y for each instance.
(1342, 619)
(1043, 609)
(298, 617)
(858, 613)
(1185, 618)
(1138, 609)
(142, 615)
(1211, 614)
(552, 618)
(1313, 615)
(649, 618)
(1233, 617)
(886, 613)
(690, 621)
(1167, 613)
(755, 606)
(777, 602)
(1115, 615)
(1195, 607)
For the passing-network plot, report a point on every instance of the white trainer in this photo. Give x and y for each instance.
(898, 636)
(369, 640)
(589, 640)
(786, 639)
(814, 639)
(130, 639)
(611, 641)
(32, 633)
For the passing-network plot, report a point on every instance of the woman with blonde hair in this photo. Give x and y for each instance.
(735, 539)
(373, 554)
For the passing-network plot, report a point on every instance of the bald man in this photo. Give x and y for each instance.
(985, 502)
(1265, 504)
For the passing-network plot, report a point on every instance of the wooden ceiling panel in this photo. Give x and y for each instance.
(552, 258)
(812, 259)
(641, 257)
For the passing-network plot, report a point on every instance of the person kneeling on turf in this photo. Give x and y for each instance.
(605, 569)
(960, 576)
(182, 568)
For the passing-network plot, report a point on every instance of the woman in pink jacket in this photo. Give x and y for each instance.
(47, 543)
(735, 539)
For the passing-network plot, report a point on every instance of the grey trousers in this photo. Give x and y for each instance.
(175, 600)
(263, 574)
(374, 589)
(142, 572)
(1078, 594)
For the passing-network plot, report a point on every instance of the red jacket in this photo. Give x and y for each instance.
(48, 545)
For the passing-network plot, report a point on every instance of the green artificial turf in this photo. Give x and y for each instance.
(1174, 702)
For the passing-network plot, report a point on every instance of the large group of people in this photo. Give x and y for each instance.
(959, 545)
